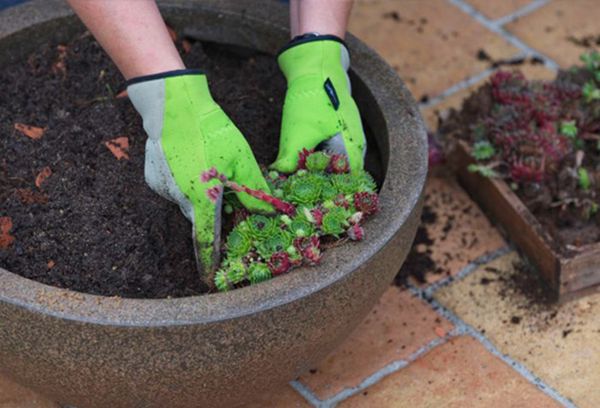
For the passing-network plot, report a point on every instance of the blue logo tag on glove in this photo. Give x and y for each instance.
(332, 94)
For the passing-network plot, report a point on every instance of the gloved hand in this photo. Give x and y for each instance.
(188, 133)
(319, 111)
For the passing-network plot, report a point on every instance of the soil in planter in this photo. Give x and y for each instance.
(93, 225)
(567, 227)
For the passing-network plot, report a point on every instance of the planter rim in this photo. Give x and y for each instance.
(401, 117)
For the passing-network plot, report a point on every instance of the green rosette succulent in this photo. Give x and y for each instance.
(335, 221)
(365, 182)
(259, 272)
(238, 243)
(317, 162)
(304, 189)
(344, 183)
(279, 241)
(329, 191)
(260, 227)
(221, 281)
(350, 183)
(301, 226)
(236, 272)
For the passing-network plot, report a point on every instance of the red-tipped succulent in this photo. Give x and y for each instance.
(356, 232)
(279, 263)
(339, 164)
(302, 156)
(309, 248)
(367, 203)
(280, 205)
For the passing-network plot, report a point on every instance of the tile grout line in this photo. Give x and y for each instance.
(498, 23)
(494, 27)
(399, 364)
(372, 379)
(467, 270)
(384, 372)
(459, 86)
(515, 365)
(523, 11)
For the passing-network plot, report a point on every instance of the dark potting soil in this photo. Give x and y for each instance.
(418, 262)
(93, 225)
(567, 227)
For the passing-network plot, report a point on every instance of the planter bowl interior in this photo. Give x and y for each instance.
(219, 349)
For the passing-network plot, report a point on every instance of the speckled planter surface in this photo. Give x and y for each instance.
(222, 349)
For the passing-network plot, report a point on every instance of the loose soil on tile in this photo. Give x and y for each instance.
(419, 262)
(568, 228)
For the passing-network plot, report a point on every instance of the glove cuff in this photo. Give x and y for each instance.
(320, 56)
(310, 37)
(161, 75)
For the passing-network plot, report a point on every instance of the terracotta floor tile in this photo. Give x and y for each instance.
(430, 114)
(560, 344)
(550, 28)
(13, 395)
(284, 398)
(397, 327)
(460, 232)
(495, 9)
(431, 44)
(460, 373)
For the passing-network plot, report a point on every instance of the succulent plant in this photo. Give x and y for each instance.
(221, 282)
(317, 162)
(339, 164)
(335, 221)
(367, 203)
(318, 200)
(302, 156)
(277, 242)
(258, 272)
(304, 189)
(344, 183)
(260, 227)
(364, 182)
(309, 248)
(300, 226)
(236, 272)
(328, 191)
(356, 232)
(279, 263)
(238, 243)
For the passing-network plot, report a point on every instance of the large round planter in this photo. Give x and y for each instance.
(222, 349)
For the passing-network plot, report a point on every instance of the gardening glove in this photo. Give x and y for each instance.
(188, 134)
(319, 111)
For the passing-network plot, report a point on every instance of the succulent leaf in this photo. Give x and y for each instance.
(258, 272)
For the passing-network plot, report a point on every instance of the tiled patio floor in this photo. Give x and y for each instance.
(464, 338)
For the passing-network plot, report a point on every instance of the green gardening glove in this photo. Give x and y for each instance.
(319, 111)
(188, 134)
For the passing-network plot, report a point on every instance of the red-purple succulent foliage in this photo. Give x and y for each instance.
(339, 164)
(279, 263)
(214, 192)
(356, 232)
(309, 248)
(367, 203)
(524, 125)
(302, 155)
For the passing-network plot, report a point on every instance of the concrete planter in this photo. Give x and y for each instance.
(221, 349)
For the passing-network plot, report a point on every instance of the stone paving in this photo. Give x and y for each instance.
(465, 337)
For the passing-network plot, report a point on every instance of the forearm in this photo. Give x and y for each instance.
(320, 16)
(133, 33)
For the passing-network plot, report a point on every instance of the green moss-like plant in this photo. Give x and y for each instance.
(321, 199)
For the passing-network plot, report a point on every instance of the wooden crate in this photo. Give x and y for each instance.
(567, 276)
